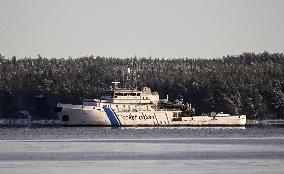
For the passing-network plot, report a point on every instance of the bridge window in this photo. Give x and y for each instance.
(119, 94)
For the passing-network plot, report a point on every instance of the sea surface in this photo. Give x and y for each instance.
(166, 150)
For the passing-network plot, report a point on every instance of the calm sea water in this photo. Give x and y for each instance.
(141, 150)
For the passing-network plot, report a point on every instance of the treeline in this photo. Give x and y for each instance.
(251, 84)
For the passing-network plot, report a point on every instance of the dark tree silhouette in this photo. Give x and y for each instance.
(251, 84)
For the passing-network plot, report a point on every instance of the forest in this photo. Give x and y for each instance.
(250, 83)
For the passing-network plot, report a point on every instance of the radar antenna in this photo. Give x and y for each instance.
(115, 84)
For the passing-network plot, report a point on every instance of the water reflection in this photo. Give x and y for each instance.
(182, 127)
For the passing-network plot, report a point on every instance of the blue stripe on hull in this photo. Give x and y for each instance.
(112, 117)
(116, 117)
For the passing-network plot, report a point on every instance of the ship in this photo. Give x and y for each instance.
(121, 106)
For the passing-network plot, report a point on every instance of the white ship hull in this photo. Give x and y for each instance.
(78, 115)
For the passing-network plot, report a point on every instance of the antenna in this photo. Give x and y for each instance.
(128, 77)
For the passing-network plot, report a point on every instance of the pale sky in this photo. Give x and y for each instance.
(124, 28)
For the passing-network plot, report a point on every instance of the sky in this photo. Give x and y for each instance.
(142, 28)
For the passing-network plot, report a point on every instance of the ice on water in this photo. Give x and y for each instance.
(140, 150)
